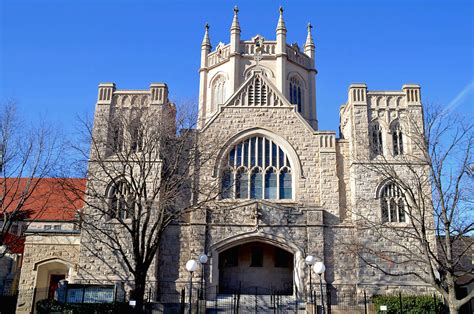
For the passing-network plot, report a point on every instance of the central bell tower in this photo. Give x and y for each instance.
(228, 67)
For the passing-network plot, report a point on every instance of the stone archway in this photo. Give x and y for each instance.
(277, 258)
(256, 266)
(48, 275)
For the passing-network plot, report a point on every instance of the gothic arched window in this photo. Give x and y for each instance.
(118, 195)
(257, 168)
(296, 93)
(117, 137)
(218, 92)
(392, 203)
(136, 136)
(397, 139)
(376, 143)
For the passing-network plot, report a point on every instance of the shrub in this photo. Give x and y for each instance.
(411, 304)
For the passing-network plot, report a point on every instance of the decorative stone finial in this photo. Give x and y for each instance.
(309, 39)
(235, 22)
(281, 23)
(206, 41)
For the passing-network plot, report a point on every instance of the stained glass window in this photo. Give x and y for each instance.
(257, 168)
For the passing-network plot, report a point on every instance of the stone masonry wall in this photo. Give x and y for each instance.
(41, 249)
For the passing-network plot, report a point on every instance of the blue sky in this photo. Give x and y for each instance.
(54, 53)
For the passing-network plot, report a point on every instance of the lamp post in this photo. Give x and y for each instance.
(203, 260)
(310, 260)
(319, 269)
(191, 266)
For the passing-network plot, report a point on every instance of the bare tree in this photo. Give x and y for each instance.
(142, 178)
(28, 154)
(426, 222)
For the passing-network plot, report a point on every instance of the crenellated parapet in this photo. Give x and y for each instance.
(109, 95)
(262, 49)
(297, 56)
(381, 123)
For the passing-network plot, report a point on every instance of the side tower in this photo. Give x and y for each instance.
(124, 169)
(225, 69)
(385, 176)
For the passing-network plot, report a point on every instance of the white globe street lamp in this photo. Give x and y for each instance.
(319, 269)
(191, 266)
(203, 260)
(310, 260)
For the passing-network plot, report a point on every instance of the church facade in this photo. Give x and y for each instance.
(287, 189)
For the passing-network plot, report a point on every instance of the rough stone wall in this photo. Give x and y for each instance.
(99, 263)
(43, 248)
(343, 171)
(363, 204)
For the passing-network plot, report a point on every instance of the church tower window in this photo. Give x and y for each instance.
(218, 92)
(376, 139)
(118, 195)
(257, 168)
(392, 203)
(397, 139)
(296, 93)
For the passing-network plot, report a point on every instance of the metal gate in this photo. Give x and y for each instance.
(252, 300)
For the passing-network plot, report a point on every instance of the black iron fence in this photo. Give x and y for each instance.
(214, 299)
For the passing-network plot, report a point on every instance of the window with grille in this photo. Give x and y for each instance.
(392, 203)
(257, 168)
(257, 93)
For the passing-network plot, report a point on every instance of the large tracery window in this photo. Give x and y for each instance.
(397, 139)
(296, 93)
(376, 143)
(257, 168)
(392, 203)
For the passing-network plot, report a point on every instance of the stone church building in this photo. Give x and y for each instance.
(287, 188)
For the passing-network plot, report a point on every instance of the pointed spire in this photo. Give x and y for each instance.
(281, 23)
(235, 21)
(309, 38)
(206, 41)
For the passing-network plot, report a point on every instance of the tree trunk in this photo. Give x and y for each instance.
(452, 301)
(452, 309)
(139, 291)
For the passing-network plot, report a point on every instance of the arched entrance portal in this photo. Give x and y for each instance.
(256, 265)
(48, 275)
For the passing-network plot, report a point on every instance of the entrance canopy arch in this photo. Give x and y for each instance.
(248, 261)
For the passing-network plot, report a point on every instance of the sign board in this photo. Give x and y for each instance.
(89, 294)
(383, 308)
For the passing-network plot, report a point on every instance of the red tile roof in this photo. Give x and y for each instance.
(49, 199)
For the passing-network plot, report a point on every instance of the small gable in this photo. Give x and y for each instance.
(258, 91)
